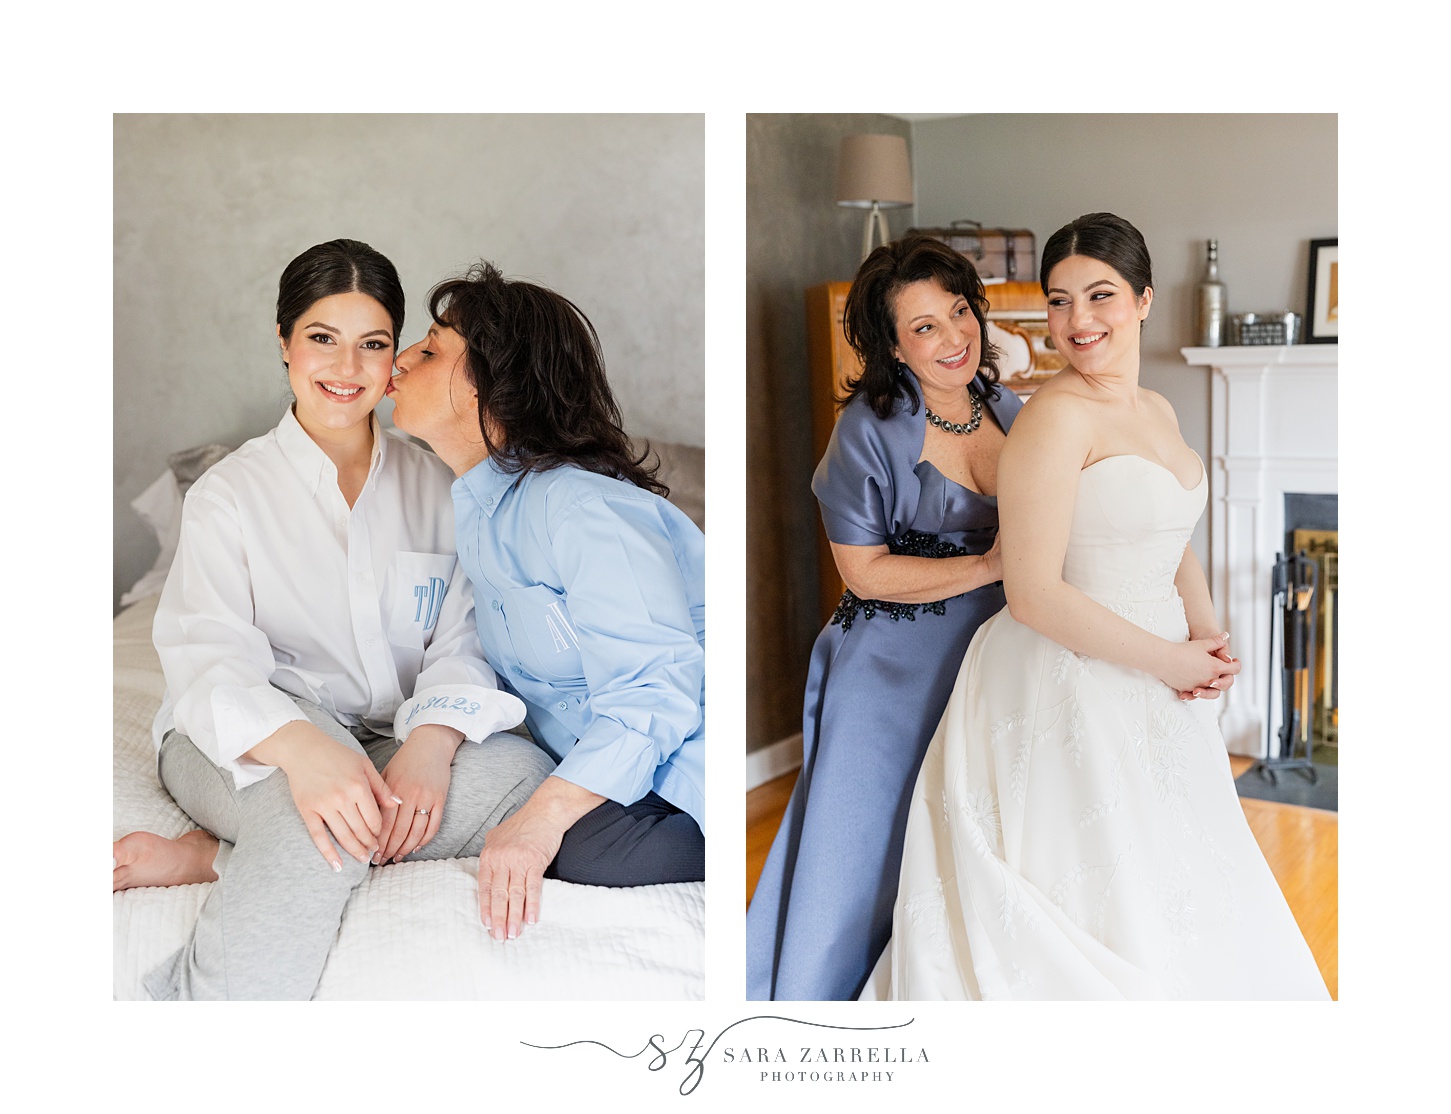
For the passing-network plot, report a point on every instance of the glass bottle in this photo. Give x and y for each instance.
(1210, 310)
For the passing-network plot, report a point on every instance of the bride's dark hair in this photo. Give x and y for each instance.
(1107, 238)
(338, 267)
(535, 360)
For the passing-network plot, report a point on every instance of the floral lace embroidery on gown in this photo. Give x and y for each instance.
(1075, 831)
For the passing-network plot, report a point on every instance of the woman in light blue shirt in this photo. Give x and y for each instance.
(589, 590)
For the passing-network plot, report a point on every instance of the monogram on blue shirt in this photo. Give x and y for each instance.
(543, 633)
(560, 629)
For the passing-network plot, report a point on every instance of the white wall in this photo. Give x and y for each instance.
(606, 209)
(1264, 185)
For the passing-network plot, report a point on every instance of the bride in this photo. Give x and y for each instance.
(1075, 831)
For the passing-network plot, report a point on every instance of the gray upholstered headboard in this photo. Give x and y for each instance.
(682, 470)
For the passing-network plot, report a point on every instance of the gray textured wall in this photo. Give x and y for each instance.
(796, 236)
(1264, 185)
(607, 209)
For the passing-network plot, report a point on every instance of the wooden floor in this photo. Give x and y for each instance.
(1302, 846)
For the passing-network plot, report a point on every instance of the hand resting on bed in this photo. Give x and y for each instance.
(512, 865)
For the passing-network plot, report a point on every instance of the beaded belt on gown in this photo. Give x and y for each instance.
(912, 543)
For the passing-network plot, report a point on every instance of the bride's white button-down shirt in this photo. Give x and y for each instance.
(278, 587)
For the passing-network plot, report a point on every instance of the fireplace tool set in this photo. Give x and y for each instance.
(1294, 584)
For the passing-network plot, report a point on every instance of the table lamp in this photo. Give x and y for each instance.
(874, 173)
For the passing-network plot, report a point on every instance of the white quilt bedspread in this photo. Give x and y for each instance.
(411, 930)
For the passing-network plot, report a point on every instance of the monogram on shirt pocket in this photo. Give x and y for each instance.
(413, 594)
(543, 633)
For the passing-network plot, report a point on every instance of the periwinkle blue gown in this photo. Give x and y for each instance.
(880, 677)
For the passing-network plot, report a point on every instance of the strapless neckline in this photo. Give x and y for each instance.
(976, 494)
(1203, 472)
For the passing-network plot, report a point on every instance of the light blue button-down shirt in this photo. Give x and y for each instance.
(590, 603)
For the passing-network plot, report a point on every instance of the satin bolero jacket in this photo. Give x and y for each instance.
(590, 602)
(873, 486)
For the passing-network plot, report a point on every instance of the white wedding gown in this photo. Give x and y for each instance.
(1075, 831)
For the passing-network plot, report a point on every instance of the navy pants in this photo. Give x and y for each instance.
(643, 844)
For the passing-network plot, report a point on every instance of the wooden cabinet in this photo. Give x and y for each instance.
(832, 363)
(1017, 308)
(1013, 297)
(1017, 323)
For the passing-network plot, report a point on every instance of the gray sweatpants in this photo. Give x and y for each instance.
(272, 915)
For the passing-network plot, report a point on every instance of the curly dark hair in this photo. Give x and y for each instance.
(535, 360)
(871, 316)
(1107, 238)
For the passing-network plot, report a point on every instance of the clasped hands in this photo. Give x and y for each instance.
(1201, 668)
(418, 774)
(389, 816)
(373, 817)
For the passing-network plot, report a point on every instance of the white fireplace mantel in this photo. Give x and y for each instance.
(1272, 431)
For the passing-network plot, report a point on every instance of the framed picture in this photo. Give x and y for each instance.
(1322, 313)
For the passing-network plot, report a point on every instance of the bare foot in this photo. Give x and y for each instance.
(145, 859)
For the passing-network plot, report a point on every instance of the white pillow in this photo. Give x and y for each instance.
(160, 508)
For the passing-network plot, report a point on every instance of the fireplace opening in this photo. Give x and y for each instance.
(1312, 528)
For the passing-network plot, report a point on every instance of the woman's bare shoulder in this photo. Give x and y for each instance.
(1159, 405)
(1058, 403)
(1054, 430)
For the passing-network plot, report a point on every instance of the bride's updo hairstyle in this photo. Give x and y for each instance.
(338, 267)
(870, 318)
(535, 360)
(1104, 237)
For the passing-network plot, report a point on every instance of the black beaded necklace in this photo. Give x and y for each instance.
(960, 427)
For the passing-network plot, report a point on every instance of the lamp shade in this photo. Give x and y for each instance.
(874, 170)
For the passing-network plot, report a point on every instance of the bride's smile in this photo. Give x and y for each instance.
(1094, 316)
